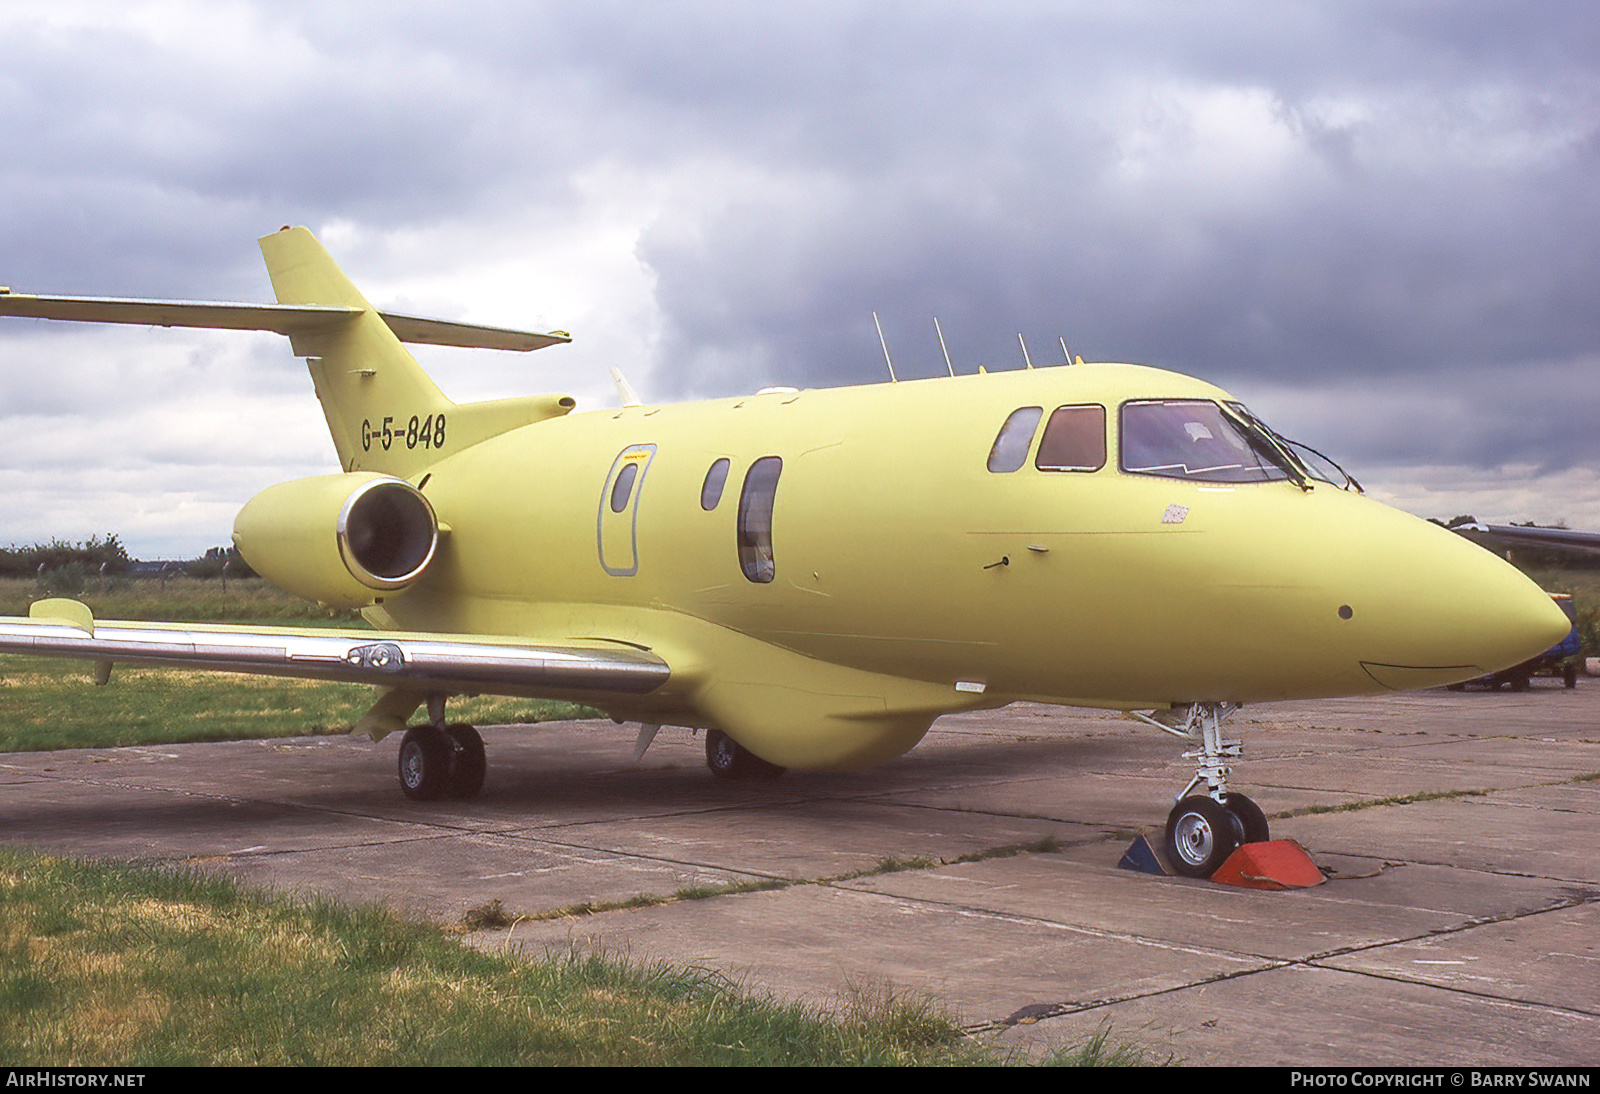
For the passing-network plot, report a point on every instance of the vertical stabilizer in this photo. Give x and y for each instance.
(384, 412)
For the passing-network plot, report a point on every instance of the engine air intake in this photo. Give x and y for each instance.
(387, 533)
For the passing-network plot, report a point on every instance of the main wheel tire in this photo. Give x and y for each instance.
(1200, 836)
(425, 755)
(1519, 681)
(1569, 675)
(728, 759)
(1250, 823)
(468, 764)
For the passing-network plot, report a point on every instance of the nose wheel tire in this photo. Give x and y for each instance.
(1201, 834)
(1250, 823)
(728, 759)
(425, 754)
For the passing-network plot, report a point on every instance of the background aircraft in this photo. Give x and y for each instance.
(1524, 535)
(814, 576)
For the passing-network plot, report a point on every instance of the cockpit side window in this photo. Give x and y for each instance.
(1074, 440)
(1011, 445)
(1194, 439)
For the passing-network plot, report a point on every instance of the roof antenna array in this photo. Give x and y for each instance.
(942, 346)
(882, 342)
(1025, 358)
(1068, 353)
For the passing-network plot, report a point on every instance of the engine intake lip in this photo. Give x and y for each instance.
(388, 533)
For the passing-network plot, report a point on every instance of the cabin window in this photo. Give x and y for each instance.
(1193, 439)
(711, 489)
(755, 519)
(1011, 445)
(1074, 440)
(623, 487)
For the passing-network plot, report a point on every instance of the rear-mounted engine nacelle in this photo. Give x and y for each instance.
(341, 540)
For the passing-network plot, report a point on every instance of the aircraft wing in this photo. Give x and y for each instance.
(1517, 535)
(289, 319)
(418, 663)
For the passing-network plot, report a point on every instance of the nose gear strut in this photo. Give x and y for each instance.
(1204, 829)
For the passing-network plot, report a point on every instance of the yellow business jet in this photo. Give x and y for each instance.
(814, 576)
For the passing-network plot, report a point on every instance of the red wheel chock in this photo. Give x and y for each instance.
(1272, 864)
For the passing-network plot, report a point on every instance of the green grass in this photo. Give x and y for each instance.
(49, 703)
(182, 600)
(145, 967)
(136, 966)
(1379, 803)
(1101, 1051)
(494, 914)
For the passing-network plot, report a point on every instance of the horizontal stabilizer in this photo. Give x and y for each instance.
(288, 319)
(426, 663)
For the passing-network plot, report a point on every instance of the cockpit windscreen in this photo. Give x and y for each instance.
(1196, 439)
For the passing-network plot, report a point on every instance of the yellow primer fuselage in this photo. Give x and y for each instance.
(910, 581)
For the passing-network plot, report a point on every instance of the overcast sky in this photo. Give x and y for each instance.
(1377, 223)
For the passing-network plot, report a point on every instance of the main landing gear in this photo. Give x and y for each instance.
(442, 762)
(1204, 829)
(728, 759)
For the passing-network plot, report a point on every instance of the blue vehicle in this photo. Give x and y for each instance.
(1560, 659)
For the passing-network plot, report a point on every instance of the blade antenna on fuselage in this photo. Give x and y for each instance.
(624, 389)
(943, 347)
(885, 344)
(1025, 358)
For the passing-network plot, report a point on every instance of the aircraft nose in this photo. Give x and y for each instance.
(1455, 611)
(1519, 621)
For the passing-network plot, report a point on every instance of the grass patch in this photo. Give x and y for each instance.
(891, 864)
(181, 600)
(1048, 845)
(130, 966)
(49, 703)
(649, 900)
(1101, 1051)
(1375, 803)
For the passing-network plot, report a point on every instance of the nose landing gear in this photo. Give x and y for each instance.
(1204, 829)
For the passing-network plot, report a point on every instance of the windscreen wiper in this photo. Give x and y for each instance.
(1270, 445)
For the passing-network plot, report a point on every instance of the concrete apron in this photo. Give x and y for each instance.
(1457, 929)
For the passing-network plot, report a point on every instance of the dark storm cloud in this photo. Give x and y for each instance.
(1450, 219)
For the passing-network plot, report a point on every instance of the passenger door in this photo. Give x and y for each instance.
(617, 527)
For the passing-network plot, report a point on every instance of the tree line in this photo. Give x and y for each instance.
(105, 556)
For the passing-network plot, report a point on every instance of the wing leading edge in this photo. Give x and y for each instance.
(413, 663)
